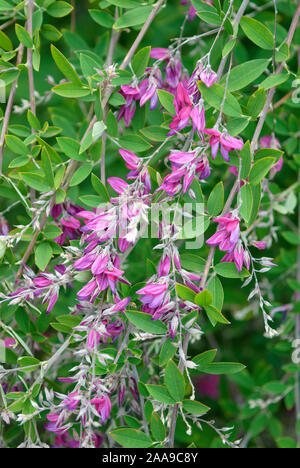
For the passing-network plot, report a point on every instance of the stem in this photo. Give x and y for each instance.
(29, 59)
(9, 108)
(112, 45)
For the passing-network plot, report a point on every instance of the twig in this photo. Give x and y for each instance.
(7, 24)
(112, 45)
(30, 6)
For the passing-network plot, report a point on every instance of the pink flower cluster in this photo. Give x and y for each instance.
(65, 215)
(185, 166)
(227, 238)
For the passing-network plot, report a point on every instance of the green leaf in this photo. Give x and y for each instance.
(112, 125)
(203, 359)
(132, 422)
(47, 166)
(216, 200)
(52, 231)
(192, 262)
(125, 3)
(160, 393)
(167, 352)
(26, 361)
(229, 270)
(131, 438)
(70, 90)
(207, 13)
(35, 181)
(228, 47)
(133, 17)
(174, 381)
(257, 102)
(291, 237)
(5, 42)
(155, 133)
(65, 66)
(157, 428)
(214, 96)
(140, 61)
(215, 315)
(204, 298)
(257, 32)
(23, 36)
(33, 121)
(20, 161)
(216, 289)
(185, 293)
(91, 200)
(256, 192)
(59, 9)
(134, 143)
(286, 442)
(102, 17)
(246, 160)
(167, 100)
(274, 80)
(145, 323)
(222, 368)
(69, 320)
(247, 202)
(43, 253)
(81, 174)
(51, 33)
(61, 327)
(100, 188)
(71, 148)
(260, 170)
(276, 387)
(16, 145)
(195, 407)
(244, 74)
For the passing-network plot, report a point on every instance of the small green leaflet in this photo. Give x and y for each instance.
(257, 32)
(145, 323)
(131, 438)
(174, 381)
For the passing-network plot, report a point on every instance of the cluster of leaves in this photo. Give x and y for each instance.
(51, 154)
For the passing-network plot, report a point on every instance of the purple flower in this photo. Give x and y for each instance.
(4, 227)
(227, 142)
(153, 294)
(185, 167)
(103, 407)
(10, 342)
(208, 76)
(260, 245)
(183, 108)
(227, 239)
